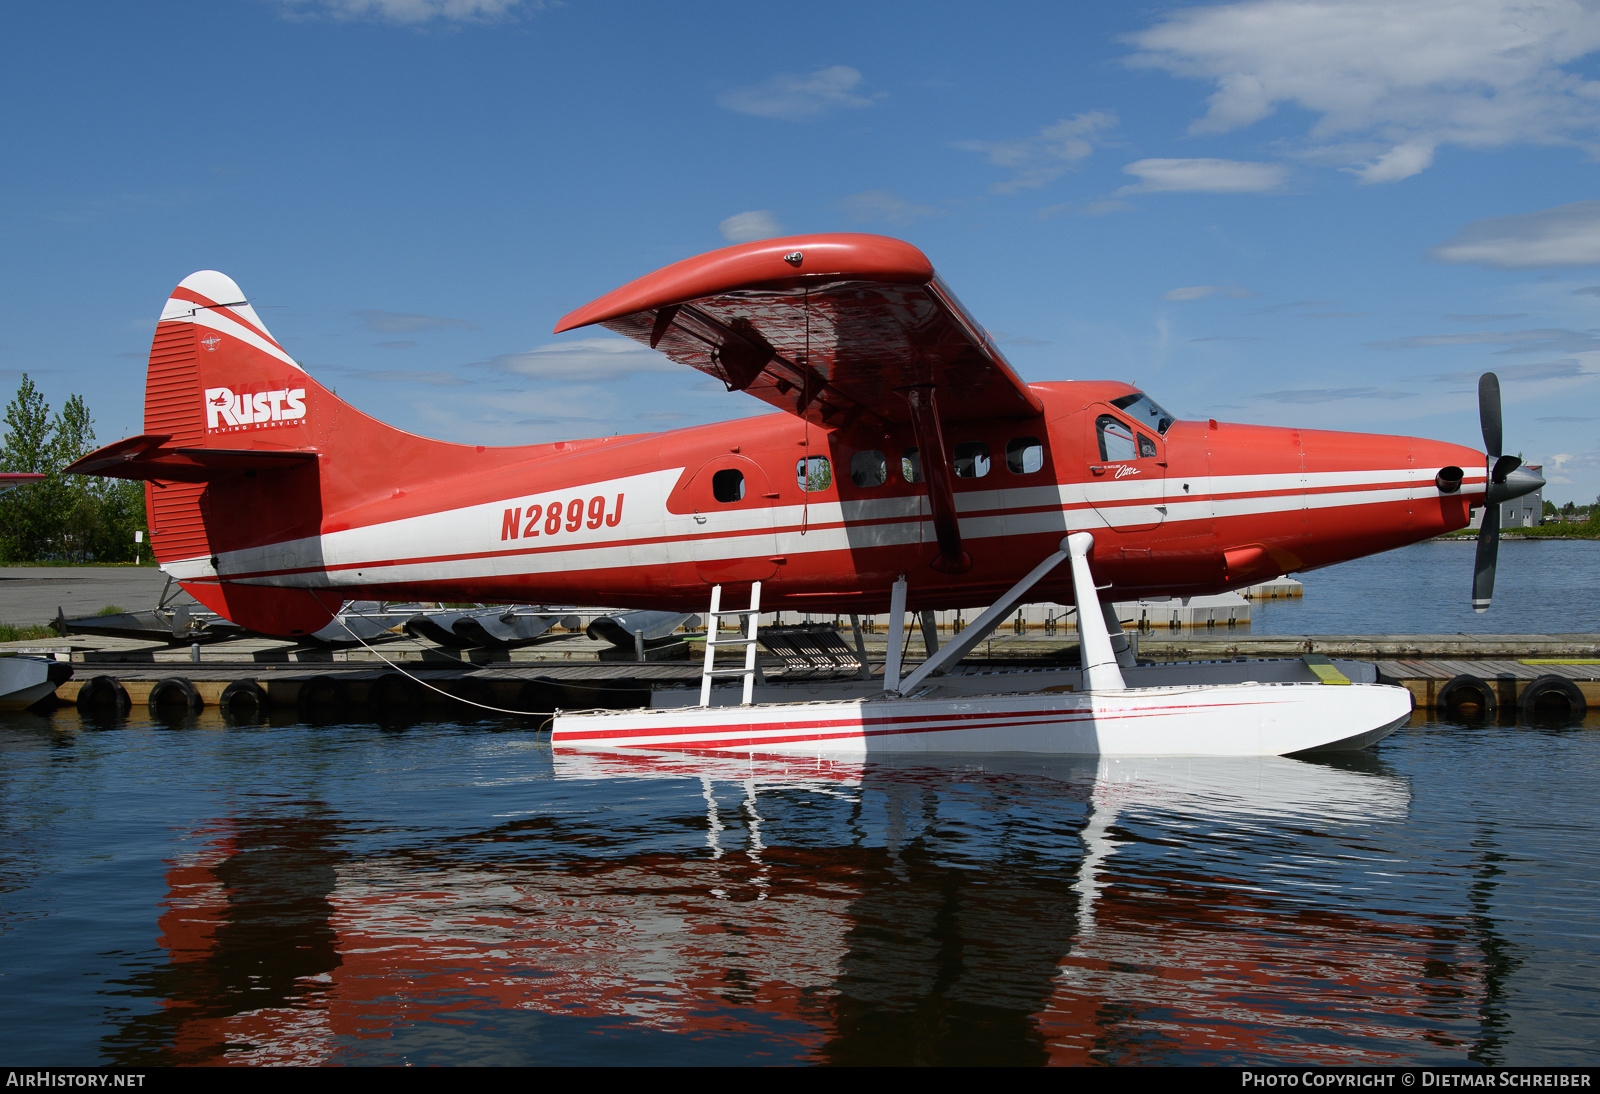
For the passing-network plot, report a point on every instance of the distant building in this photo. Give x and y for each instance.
(1524, 512)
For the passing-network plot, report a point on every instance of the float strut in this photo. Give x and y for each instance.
(897, 626)
(1100, 670)
(955, 649)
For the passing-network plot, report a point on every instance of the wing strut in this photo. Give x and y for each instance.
(936, 471)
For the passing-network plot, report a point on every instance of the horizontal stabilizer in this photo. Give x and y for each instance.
(145, 458)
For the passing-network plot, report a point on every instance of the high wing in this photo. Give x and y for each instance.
(837, 329)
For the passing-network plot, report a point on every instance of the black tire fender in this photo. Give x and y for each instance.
(1462, 688)
(1548, 687)
(322, 697)
(395, 693)
(473, 690)
(243, 697)
(104, 696)
(175, 692)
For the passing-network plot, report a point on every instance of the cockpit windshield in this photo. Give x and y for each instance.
(1144, 411)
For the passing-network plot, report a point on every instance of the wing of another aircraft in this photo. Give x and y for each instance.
(10, 479)
(827, 327)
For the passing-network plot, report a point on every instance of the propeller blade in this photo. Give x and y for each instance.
(1488, 554)
(1503, 467)
(1489, 412)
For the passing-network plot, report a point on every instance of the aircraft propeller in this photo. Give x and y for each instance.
(1506, 481)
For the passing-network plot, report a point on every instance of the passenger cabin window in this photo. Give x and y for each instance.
(1116, 439)
(1147, 447)
(813, 473)
(727, 485)
(1024, 456)
(911, 466)
(869, 469)
(972, 460)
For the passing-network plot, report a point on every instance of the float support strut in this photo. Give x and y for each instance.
(897, 627)
(955, 649)
(1100, 670)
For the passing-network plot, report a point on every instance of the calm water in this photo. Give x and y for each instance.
(456, 893)
(1541, 587)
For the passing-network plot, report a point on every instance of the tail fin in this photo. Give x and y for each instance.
(233, 431)
(245, 457)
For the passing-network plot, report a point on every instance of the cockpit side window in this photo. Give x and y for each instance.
(1144, 411)
(1147, 447)
(1116, 439)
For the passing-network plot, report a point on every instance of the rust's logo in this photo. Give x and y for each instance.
(229, 410)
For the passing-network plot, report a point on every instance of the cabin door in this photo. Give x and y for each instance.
(730, 535)
(1126, 481)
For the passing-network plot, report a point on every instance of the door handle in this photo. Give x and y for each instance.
(1097, 468)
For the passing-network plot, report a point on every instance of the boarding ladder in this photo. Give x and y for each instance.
(751, 669)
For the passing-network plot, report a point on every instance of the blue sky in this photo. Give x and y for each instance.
(1299, 212)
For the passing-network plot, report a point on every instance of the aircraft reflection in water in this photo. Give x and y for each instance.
(1010, 912)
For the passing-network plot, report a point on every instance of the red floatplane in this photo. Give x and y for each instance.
(910, 469)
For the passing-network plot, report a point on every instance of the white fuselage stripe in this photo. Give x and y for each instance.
(430, 547)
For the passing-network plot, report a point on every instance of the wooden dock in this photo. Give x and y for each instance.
(1459, 673)
(1506, 681)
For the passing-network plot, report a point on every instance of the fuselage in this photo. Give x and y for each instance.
(828, 519)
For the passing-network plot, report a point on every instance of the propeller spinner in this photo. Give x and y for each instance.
(1507, 480)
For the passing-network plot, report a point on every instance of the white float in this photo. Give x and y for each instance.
(1098, 715)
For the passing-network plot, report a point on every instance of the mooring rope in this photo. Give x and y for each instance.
(470, 702)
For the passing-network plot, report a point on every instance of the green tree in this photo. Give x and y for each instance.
(28, 515)
(81, 515)
(67, 517)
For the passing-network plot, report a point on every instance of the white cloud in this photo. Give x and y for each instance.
(593, 359)
(795, 98)
(883, 205)
(1406, 77)
(409, 11)
(1567, 235)
(1205, 176)
(1200, 292)
(1400, 162)
(1561, 467)
(1045, 155)
(400, 322)
(747, 227)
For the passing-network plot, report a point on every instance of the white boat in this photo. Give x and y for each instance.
(1098, 715)
(26, 680)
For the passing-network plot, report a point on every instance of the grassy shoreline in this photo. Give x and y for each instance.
(17, 565)
(1544, 531)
